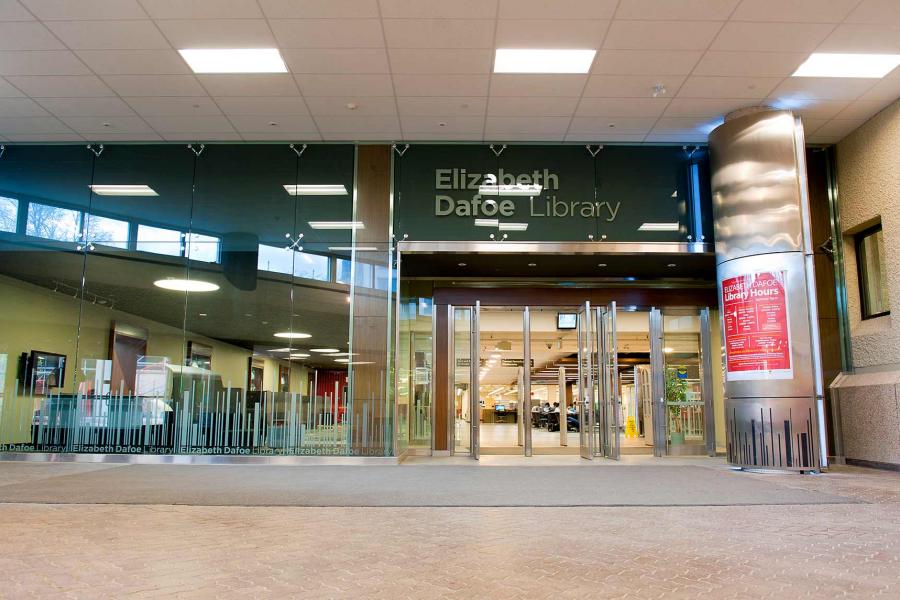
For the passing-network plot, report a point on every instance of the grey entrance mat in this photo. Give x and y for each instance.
(265, 485)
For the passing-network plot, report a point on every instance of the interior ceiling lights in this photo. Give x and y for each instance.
(123, 190)
(293, 335)
(316, 190)
(186, 285)
(521, 60)
(823, 64)
(234, 60)
(337, 225)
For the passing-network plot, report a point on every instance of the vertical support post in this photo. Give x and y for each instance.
(526, 379)
(706, 385)
(563, 409)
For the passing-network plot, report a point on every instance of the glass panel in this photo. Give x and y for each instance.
(106, 231)
(421, 371)
(204, 248)
(9, 214)
(53, 222)
(684, 401)
(160, 241)
(504, 409)
(873, 275)
(461, 371)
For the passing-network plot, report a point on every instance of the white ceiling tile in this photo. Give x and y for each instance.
(135, 62)
(109, 106)
(173, 107)
(8, 91)
(439, 33)
(218, 33)
(195, 124)
(429, 60)
(839, 127)
(441, 136)
(109, 35)
(649, 62)
(537, 85)
(11, 10)
(180, 135)
(32, 125)
(337, 105)
(862, 109)
(630, 86)
(678, 138)
(559, 9)
(291, 136)
(442, 124)
(687, 125)
(441, 85)
(320, 9)
(85, 125)
(661, 35)
(698, 86)
(263, 123)
(27, 36)
(810, 125)
(676, 10)
(820, 109)
(535, 136)
(337, 60)
(71, 136)
(155, 85)
(60, 86)
(21, 107)
(877, 12)
(531, 106)
(863, 38)
(887, 89)
(261, 105)
(750, 64)
(360, 123)
(67, 10)
(548, 33)
(438, 106)
(343, 136)
(345, 85)
(507, 126)
(250, 84)
(796, 11)
(621, 107)
(611, 136)
(612, 125)
(823, 88)
(771, 37)
(106, 136)
(202, 9)
(438, 9)
(41, 62)
(705, 108)
(328, 33)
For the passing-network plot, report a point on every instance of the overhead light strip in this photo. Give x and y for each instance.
(123, 190)
(543, 60)
(659, 227)
(337, 225)
(529, 189)
(824, 64)
(234, 60)
(316, 190)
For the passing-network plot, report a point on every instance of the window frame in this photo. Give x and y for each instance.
(862, 274)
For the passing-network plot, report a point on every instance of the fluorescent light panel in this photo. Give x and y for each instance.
(530, 189)
(293, 335)
(337, 225)
(521, 60)
(513, 226)
(234, 60)
(658, 227)
(351, 248)
(123, 190)
(186, 285)
(823, 64)
(316, 190)
(487, 222)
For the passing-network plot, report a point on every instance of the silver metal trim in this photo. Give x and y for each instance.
(197, 459)
(474, 392)
(509, 247)
(706, 384)
(526, 380)
(451, 380)
(658, 384)
(432, 388)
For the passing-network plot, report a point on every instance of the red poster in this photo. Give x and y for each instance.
(757, 331)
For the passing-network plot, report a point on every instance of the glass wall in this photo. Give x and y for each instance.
(685, 405)
(159, 299)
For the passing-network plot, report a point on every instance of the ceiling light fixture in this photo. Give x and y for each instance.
(351, 248)
(299, 355)
(529, 189)
(513, 226)
(337, 225)
(543, 60)
(658, 227)
(234, 60)
(668, 350)
(487, 222)
(324, 350)
(336, 189)
(824, 64)
(293, 335)
(123, 190)
(186, 285)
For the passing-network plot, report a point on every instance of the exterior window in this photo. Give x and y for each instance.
(873, 291)
(204, 248)
(53, 223)
(107, 232)
(282, 260)
(363, 273)
(311, 266)
(9, 214)
(158, 240)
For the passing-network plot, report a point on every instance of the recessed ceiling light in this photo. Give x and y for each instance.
(299, 355)
(351, 248)
(487, 222)
(529, 189)
(461, 264)
(822, 64)
(658, 227)
(281, 350)
(325, 350)
(234, 60)
(520, 60)
(293, 335)
(325, 189)
(532, 264)
(337, 225)
(513, 226)
(186, 285)
(601, 264)
(123, 190)
(671, 265)
(342, 360)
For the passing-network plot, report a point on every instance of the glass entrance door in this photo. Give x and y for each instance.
(586, 372)
(610, 403)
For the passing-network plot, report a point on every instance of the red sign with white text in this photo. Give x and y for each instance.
(757, 329)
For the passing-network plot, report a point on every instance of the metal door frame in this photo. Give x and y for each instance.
(706, 384)
(608, 363)
(474, 395)
(585, 383)
(526, 380)
(658, 384)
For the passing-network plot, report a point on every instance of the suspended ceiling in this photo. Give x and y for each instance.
(108, 70)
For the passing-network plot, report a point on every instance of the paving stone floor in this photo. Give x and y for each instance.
(163, 551)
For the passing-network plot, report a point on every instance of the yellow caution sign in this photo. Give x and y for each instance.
(630, 428)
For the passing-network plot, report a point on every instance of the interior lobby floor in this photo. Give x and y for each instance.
(746, 535)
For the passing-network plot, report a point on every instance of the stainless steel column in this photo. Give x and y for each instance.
(766, 291)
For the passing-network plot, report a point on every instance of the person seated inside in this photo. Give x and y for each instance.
(546, 407)
(556, 407)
